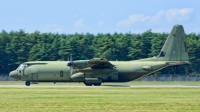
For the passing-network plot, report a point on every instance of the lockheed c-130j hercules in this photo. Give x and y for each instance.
(96, 71)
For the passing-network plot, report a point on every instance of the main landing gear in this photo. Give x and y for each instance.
(90, 84)
(27, 83)
(97, 84)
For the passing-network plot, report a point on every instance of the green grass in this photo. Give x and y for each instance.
(95, 99)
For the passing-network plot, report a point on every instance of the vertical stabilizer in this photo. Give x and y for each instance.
(175, 48)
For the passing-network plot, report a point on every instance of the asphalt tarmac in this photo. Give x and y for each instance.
(102, 86)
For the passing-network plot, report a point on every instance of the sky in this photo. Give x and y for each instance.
(99, 16)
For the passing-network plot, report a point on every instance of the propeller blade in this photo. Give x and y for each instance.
(70, 64)
(71, 59)
(71, 70)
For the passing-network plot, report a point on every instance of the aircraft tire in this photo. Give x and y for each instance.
(88, 84)
(27, 83)
(97, 84)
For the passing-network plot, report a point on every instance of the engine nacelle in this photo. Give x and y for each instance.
(80, 64)
(78, 77)
(96, 70)
(86, 63)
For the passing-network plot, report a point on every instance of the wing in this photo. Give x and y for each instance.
(99, 63)
(93, 63)
(95, 66)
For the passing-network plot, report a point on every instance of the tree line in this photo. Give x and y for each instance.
(17, 47)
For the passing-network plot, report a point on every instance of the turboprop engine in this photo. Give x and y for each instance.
(81, 64)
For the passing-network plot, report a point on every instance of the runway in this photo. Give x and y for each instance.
(102, 86)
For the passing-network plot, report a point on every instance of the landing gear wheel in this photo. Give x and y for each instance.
(97, 84)
(88, 84)
(27, 83)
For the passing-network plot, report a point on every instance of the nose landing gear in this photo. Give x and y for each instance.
(27, 83)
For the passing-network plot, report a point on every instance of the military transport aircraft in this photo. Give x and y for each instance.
(97, 70)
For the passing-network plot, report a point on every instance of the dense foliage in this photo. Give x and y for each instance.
(18, 46)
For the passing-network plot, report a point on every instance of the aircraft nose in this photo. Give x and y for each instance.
(14, 75)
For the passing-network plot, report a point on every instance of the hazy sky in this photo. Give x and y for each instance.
(99, 16)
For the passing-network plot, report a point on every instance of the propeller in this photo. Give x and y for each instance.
(70, 64)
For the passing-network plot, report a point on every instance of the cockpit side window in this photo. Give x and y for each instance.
(22, 66)
(19, 66)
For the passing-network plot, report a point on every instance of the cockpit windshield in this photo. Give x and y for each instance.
(22, 66)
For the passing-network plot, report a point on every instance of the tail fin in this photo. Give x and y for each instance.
(175, 48)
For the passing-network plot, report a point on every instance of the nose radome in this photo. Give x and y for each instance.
(14, 75)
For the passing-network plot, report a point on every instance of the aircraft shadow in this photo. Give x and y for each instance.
(110, 85)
